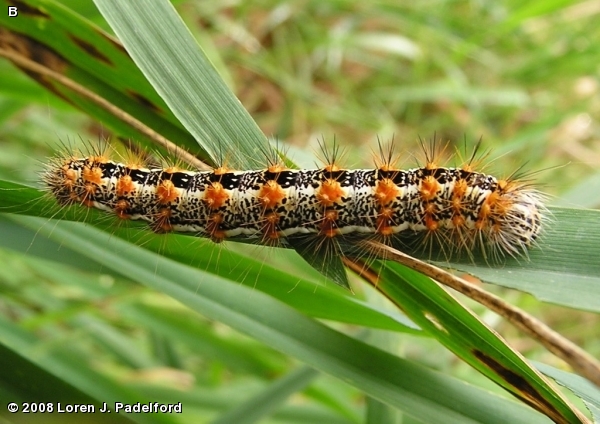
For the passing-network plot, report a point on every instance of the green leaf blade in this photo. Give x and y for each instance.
(410, 387)
(165, 51)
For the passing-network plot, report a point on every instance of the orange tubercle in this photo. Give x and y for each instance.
(215, 219)
(387, 167)
(215, 195)
(330, 215)
(503, 185)
(457, 204)
(92, 175)
(120, 208)
(491, 205)
(330, 192)
(430, 208)
(431, 165)
(460, 189)
(213, 228)
(431, 223)
(166, 192)
(68, 183)
(221, 170)
(162, 224)
(276, 168)
(485, 210)
(384, 219)
(385, 191)
(90, 189)
(493, 198)
(385, 230)
(70, 174)
(125, 185)
(386, 213)
(271, 194)
(270, 227)
(98, 159)
(328, 226)
(429, 188)
(134, 164)
(458, 220)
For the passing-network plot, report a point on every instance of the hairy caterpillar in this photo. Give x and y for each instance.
(460, 208)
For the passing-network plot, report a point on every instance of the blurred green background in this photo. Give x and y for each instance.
(523, 76)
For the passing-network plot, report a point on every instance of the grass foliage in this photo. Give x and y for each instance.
(93, 313)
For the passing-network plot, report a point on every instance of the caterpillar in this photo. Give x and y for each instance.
(458, 207)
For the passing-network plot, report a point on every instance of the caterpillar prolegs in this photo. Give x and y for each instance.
(459, 208)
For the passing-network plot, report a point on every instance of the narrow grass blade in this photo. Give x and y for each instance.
(585, 390)
(462, 332)
(265, 402)
(417, 391)
(169, 57)
(48, 389)
(70, 369)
